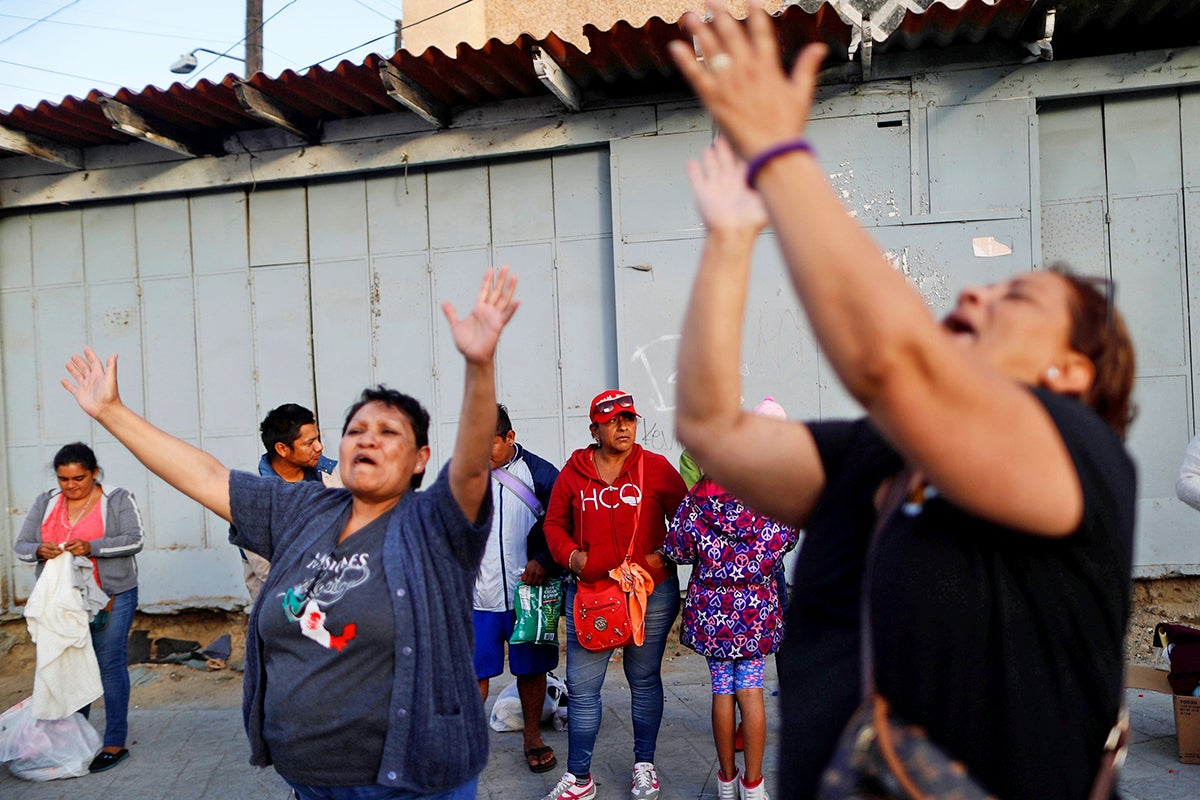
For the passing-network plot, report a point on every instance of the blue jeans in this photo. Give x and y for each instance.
(643, 670)
(377, 792)
(111, 646)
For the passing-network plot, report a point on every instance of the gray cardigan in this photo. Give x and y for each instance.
(114, 551)
(437, 735)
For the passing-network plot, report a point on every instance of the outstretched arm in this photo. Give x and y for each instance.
(476, 337)
(768, 463)
(936, 404)
(189, 469)
(1187, 486)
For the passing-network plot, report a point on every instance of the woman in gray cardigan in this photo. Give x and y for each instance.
(359, 681)
(84, 518)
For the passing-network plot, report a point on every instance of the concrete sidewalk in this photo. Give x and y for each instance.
(188, 753)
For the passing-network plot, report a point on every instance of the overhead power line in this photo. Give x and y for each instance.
(407, 25)
(37, 22)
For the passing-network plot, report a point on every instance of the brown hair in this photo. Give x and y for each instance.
(1098, 331)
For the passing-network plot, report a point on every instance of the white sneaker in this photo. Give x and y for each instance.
(645, 782)
(757, 793)
(568, 788)
(727, 789)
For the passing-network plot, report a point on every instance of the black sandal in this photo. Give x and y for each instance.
(533, 757)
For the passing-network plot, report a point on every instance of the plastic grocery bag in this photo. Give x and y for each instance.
(506, 712)
(538, 609)
(43, 749)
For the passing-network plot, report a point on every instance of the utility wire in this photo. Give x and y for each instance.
(56, 72)
(263, 24)
(390, 33)
(373, 10)
(35, 23)
(186, 37)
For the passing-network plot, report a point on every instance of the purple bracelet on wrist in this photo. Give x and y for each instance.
(770, 154)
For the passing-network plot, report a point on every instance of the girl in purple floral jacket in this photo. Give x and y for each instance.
(732, 615)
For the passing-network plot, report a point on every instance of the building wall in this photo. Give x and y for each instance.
(481, 20)
(225, 302)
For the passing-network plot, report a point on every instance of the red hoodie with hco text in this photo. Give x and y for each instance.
(588, 514)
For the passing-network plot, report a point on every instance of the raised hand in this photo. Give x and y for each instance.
(476, 335)
(718, 181)
(93, 384)
(742, 82)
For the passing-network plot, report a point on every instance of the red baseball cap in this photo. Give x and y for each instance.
(609, 404)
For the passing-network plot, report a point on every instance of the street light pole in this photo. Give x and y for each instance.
(254, 37)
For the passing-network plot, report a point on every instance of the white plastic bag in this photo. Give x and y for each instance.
(45, 750)
(506, 711)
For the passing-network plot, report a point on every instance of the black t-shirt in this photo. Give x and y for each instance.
(818, 663)
(329, 635)
(1007, 647)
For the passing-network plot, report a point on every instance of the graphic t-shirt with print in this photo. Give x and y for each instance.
(331, 635)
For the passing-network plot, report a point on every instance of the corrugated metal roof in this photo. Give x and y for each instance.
(620, 61)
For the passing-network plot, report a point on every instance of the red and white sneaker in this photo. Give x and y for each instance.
(727, 789)
(756, 792)
(645, 782)
(569, 788)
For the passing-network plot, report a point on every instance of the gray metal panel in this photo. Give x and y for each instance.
(1189, 123)
(587, 329)
(866, 160)
(1071, 151)
(1142, 150)
(522, 201)
(1076, 234)
(278, 226)
(1166, 528)
(282, 336)
(110, 249)
(459, 208)
(169, 355)
(397, 214)
(61, 322)
(975, 156)
(940, 259)
(57, 247)
(174, 520)
(402, 327)
(652, 193)
(1147, 250)
(456, 276)
(582, 194)
(114, 325)
(527, 361)
(227, 403)
(342, 312)
(17, 334)
(16, 247)
(340, 211)
(219, 240)
(164, 239)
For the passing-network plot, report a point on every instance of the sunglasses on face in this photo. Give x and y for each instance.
(1106, 288)
(609, 406)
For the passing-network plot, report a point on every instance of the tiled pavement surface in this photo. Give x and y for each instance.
(190, 753)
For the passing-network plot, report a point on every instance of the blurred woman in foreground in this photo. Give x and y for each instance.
(998, 593)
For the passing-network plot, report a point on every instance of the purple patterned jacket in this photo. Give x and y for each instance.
(732, 606)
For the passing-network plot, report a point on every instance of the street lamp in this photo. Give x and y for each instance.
(187, 61)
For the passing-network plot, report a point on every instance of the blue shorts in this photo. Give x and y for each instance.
(492, 629)
(730, 675)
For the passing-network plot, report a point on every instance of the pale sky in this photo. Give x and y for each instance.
(69, 47)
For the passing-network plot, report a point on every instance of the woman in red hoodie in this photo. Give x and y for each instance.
(604, 492)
